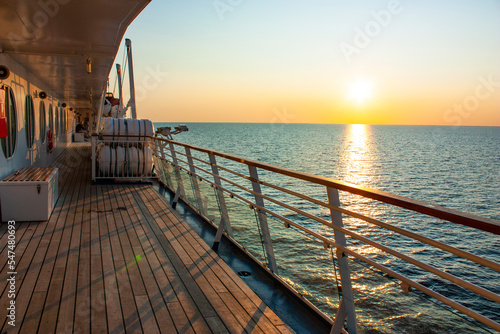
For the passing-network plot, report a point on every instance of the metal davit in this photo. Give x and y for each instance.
(362, 271)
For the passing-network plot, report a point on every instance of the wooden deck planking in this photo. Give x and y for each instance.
(115, 258)
(32, 259)
(259, 311)
(175, 316)
(67, 305)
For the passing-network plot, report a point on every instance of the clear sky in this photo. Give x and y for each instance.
(318, 61)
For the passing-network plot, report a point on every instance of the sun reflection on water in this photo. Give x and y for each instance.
(357, 161)
(357, 157)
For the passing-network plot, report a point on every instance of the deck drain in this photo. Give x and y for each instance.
(244, 273)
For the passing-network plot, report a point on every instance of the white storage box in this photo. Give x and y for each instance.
(29, 194)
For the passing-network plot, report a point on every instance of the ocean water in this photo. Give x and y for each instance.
(454, 167)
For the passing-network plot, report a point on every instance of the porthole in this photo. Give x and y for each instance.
(56, 126)
(63, 121)
(43, 121)
(51, 118)
(29, 121)
(9, 142)
(61, 116)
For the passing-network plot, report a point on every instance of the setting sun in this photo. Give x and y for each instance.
(361, 91)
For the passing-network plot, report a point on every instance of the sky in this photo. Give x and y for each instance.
(312, 61)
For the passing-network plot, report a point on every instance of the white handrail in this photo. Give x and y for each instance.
(477, 222)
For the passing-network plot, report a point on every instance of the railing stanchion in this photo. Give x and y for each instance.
(196, 187)
(168, 177)
(224, 221)
(266, 235)
(347, 301)
(176, 197)
(177, 171)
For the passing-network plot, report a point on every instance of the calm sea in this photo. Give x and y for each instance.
(454, 167)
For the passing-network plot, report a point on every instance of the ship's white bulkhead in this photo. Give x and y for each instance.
(39, 124)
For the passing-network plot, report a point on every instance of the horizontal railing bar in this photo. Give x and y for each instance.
(382, 268)
(431, 293)
(469, 286)
(472, 287)
(455, 216)
(402, 278)
(412, 235)
(123, 136)
(457, 306)
(184, 154)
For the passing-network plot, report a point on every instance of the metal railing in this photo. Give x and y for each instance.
(127, 158)
(271, 194)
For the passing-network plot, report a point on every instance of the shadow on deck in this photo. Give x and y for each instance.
(116, 258)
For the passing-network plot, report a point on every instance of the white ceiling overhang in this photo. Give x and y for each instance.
(54, 39)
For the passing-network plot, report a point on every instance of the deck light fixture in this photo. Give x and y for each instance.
(89, 65)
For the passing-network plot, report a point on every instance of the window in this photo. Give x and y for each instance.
(51, 118)
(9, 142)
(43, 121)
(56, 127)
(63, 121)
(29, 121)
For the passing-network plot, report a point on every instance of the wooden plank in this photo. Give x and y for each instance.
(97, 298)
(33, 313)
(82, 300)
(48, 320)
(250, 301)
(142, 244)
(67, 307)
(146, 315)
(108, 261)
(184, 285)
(184, 314)
(27, 310)
(28, 269)
(124, 267)
(113, 306)
(230, 321)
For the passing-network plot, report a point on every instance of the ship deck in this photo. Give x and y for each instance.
(116, 258)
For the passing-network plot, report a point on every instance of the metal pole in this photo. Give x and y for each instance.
(264, 227)
(128, 43)
(224, 221)
(346, 306)
(120, 84)
(165, 165)
(195, 182)
(99, 112)
(177, 169)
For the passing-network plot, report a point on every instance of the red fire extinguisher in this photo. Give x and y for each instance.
(3, 115)
(50, 143)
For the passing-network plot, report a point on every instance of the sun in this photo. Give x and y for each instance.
(361, 91)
